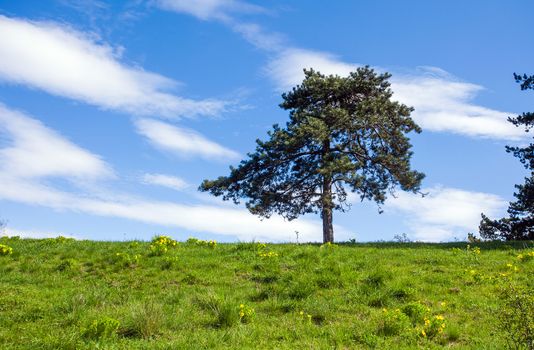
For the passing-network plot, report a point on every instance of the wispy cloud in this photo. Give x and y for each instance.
(168, 181)
(65, 62)
(442, 102)
(38, 151)
(197, 218)
(227, 12)
(286, 68)
(31, 153)
(257, 36)
(210, 9)
(445, 213)
(180, 141)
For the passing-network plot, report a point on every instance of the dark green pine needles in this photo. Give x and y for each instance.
(520, 223)
(344, 134)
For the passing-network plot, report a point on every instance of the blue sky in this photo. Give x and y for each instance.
(112, 113)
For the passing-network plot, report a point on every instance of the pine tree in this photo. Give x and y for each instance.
(344, 134)
(520, 224)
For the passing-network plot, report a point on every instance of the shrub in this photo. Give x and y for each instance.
(161, 244)
(516, 317)
(433, 327)
(5, 250)
(195, 241)
(102, 328)
(415, 311)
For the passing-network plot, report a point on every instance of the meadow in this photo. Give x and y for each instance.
(61, 293)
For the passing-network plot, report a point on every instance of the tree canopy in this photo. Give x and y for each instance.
(345, 134)
(520, 224)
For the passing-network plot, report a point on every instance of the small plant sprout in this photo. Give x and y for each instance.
(246, 313)
(305, 317)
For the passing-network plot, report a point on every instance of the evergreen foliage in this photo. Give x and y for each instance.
(344, 134)
(520, 224)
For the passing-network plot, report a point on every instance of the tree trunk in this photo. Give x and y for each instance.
(328, 229)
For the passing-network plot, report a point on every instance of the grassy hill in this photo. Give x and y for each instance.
(66, 294)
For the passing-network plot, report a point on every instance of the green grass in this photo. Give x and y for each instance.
(66, 294)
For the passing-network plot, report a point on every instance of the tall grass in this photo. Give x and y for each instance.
(66, 294)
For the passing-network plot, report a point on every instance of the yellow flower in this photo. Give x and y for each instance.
(439, 317)
(423, 333)
(443, 304)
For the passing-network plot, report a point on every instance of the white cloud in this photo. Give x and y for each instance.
(10, 232)
(210, 9)
(225, 11)
(182, 141)
(38, 151)
(255, 35)
(68, 63)
(168, 181)
(445, 212)
(442, 103)
(34, 152)
(197, 218)
(286, 69)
